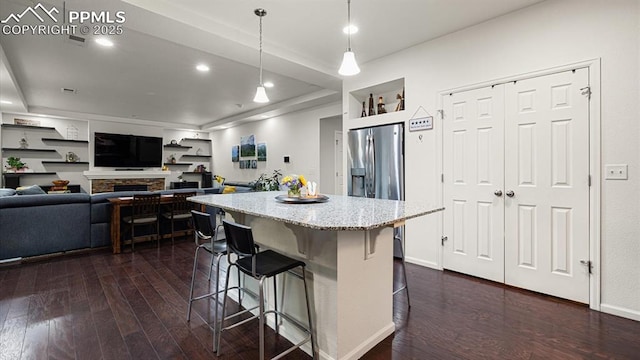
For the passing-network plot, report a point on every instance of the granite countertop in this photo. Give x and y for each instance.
(339, 213)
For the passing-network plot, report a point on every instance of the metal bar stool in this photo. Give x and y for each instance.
(404, 287)
(261, 266)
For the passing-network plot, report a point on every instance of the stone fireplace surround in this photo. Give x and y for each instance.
(103, 181)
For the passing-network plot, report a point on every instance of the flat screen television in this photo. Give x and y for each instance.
(127, 151)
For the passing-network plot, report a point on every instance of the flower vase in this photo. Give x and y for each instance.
(293, 193)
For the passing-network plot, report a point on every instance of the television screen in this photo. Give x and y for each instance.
(117, 150)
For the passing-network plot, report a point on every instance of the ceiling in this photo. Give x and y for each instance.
(149, 74)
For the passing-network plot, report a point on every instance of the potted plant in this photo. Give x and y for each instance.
(268, 183)
(15, 165)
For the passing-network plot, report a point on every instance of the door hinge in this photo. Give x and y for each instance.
(443, 239)
(588, 264)
(589, 180)
(586, 91)
(441, 112)
(442, 178)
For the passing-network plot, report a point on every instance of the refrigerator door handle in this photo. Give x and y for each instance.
(366, 166)
(372, 164)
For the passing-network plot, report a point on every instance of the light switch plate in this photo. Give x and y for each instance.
(425, 123)
(615, 172)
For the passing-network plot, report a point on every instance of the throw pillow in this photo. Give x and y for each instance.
(30, 190)
(229, 189)
(7, 192)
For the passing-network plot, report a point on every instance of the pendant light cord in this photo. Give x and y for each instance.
(260, 50)
(349, 25)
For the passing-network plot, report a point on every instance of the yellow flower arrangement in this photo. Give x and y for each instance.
(294, 183)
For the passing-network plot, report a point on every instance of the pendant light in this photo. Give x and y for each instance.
(261, 94)
(349, 65)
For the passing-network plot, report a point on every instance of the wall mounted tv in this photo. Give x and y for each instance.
(126, 151)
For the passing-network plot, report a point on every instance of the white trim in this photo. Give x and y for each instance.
(92, 175)
(595, 219)
(620, 311)
(421, 262)
(369, 343)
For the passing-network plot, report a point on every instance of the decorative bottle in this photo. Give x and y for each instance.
(402, 100)
(372, 109)
(364, 111)
(381, 109)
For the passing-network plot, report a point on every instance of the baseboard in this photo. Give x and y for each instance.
(372, 341)
(428, 264)
(620, 311)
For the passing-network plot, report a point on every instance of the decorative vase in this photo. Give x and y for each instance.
(293, 193)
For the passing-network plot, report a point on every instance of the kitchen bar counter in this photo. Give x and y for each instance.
(339, 213)
(347, 244)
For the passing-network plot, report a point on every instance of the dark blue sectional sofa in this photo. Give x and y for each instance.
(32, 225)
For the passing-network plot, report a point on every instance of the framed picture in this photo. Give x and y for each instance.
(248, 146)
(262, 152)
(254, 164)
(235, 153)
(241, 164)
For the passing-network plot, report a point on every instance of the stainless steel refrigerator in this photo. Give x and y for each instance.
(376, 165)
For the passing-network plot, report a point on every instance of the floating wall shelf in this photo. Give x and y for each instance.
(30, 127)
(177, 146)
(67, 162)
(66, 140)
(35, 150)
(196, 156)
(196, 139)
(28, 173)
(185, 164)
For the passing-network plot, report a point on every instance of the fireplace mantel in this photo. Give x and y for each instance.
(111, 174)
(104, 181)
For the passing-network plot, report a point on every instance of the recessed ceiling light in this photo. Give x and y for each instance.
(7, 102)
(268, 84)
(350, 29)
(104, 42)
(202, 68)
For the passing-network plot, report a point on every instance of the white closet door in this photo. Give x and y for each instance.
(547, 169)
(473, 171)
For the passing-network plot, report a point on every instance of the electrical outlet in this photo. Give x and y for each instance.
(425, 123)
(615, 172)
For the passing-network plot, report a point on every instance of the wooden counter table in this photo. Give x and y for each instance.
(347, 244)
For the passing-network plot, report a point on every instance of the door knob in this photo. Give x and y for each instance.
(497, 193)
(510, 193)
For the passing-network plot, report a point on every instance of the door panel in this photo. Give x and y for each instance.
(473, 167)
(546, 221)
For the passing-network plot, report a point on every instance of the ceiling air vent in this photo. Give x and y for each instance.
(76, 40)
(69, 91)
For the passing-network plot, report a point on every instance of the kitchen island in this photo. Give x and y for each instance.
(347, 244)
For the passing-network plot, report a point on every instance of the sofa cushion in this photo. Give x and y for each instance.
(7, 192)
(30, 190)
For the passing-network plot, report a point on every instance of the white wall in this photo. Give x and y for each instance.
(328, 127)
(294, 135)
(543, 36)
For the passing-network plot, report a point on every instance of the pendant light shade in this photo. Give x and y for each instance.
(349, 65)
(261, 94)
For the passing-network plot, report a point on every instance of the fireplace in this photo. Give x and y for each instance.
(130, 187)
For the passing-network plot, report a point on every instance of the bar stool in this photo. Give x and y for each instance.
(217, 248)
(144, 212)
(260, 266)
(404, 287)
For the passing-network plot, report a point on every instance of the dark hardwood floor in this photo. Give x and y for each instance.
(133, 306)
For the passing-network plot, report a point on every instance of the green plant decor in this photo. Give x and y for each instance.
(15, 163)
(268, 183)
